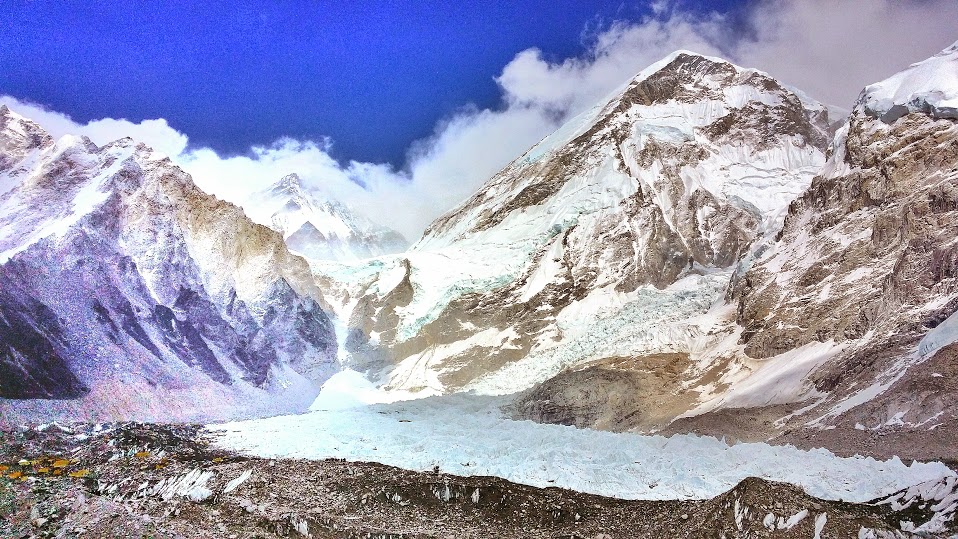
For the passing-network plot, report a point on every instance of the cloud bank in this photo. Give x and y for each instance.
(829, 48)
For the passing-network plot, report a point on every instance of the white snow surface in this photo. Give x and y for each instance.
(930, 86)
(350, 389)
(942, 335)
(468, 435)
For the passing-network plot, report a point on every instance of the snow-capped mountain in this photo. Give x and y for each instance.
(603, 239)
(705, 250)
(128, 292)
(320, 228)
(666, 262)
(842, 331)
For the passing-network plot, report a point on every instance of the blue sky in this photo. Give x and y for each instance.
(372, 76)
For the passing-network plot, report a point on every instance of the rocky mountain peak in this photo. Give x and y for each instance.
(18, 137)
(290, 185)
(180, 294)
(675, 178)
(684, 107)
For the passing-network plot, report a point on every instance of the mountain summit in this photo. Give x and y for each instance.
(670, 180)
(320, 227)
(705, 250)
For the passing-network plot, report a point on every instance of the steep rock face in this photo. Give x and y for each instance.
(131, 291)
(868, 260)
(871, 247)
(667, 183)
(320, 228)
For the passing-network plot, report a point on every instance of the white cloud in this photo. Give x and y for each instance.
(156, 133)
(830, 48)
(833, 48)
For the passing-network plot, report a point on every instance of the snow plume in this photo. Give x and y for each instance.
(829, 48)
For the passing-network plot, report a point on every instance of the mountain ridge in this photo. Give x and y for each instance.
(707, 250)
(149, 292)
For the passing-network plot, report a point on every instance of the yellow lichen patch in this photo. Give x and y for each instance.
(3, 468)
(61, 463)
(218, 459)
(141, 454)
(79, 473)
(58, 471)
(24, 462)
(43, 470)
(15, 475)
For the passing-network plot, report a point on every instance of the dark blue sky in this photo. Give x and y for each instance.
(373, 76)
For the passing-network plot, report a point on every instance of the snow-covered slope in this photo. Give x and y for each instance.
(650, 198)
(930, 86)
(129, 293)
(320, 228)
(21, 141)
(666, 262)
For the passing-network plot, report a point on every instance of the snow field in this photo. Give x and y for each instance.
(468, 435)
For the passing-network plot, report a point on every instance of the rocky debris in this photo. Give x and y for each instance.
(914, 418)
(617, 394)
(164, 481)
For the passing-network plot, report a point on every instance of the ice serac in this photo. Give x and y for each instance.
(609, 238)
(868, 259)
(930, 86)
(129, 293)
(318, 226)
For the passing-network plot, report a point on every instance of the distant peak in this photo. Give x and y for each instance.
(289, 186)
(20, 132)
(685, 54)
(290, 181)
